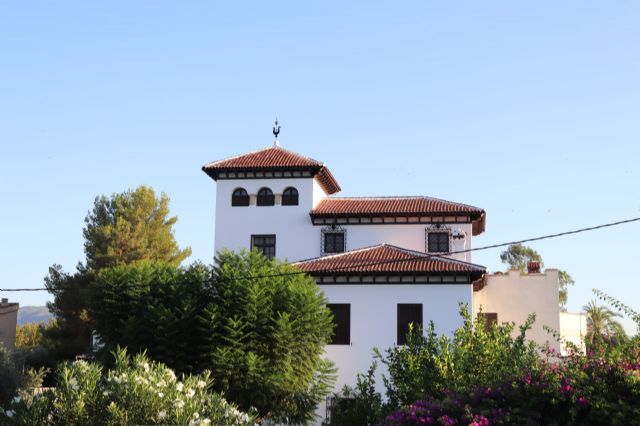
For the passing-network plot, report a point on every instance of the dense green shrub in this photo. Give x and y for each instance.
(135, 391)
(475, 356)
(258, 324)
(9, 376)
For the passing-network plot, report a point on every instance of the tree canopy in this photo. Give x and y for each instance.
(517, 256)
(131, 227)
(259, 325)
(602, 326)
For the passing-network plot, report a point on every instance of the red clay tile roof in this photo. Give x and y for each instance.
(398, 206)
(274, 158)
(385, 258)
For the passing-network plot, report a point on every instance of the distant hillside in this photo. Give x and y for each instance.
(33, 314)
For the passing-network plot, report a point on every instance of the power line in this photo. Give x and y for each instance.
(383, 262)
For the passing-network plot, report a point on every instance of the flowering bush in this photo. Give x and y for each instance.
(599, 388)
(135, 391)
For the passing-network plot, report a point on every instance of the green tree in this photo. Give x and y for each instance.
(130, 227)
(517, 256)
(70, 335)
(154, 307)
(602, 327)
(258, 324)
(273, 332)
(28, 335)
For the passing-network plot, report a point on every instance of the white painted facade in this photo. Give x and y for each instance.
(296, 237)
(374, 306)
(515, 295)
(573, 329)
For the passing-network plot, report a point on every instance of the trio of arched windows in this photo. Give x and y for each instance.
(240, 197)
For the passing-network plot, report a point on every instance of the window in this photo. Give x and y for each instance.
(342, 320)
(408, 313)
(290, 197)
(438, 242)
(265, 197)
(490, 318)
(333, 242)
(265, 244)
(240, 197)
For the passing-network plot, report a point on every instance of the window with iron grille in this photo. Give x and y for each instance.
(438, 242)
(342, 321)
(265, 244)
(408, 313)
(240, 198)
(334, 242)
(265, 197)
(290, 197)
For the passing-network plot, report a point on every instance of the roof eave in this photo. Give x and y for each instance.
(478, 225)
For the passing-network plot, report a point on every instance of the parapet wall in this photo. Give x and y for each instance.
(514, 295)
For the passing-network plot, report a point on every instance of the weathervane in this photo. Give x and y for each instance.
(276, 132)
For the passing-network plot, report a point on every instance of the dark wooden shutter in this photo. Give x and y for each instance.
(408, 313)
(490, 319)
(342, 320)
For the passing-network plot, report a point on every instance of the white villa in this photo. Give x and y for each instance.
(383, 262)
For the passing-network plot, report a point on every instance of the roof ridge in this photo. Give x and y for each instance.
(400, 197)
(300, 155)
(436, 256)
(330, 256)
(272, 147)
(414, 253)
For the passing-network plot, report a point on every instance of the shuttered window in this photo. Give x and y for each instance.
(265, 197)
(290, 197)
(265, 244)
(490, 319)
(408, 313)
(342, 320)
(240, 197)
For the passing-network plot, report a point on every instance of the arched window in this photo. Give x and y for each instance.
(265, 197)
(240, 197)
(290, 197)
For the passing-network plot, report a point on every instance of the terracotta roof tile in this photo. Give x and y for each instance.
(271, 157)
(386, 258)
(397, 206)
(274, 158)
(391, 206)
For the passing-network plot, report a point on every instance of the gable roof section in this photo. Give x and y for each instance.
(386, 259)
(274, 159)
(398, 206)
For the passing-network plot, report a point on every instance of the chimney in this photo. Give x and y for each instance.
(533, 267)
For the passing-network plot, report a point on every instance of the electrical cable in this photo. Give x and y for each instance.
(382, 262)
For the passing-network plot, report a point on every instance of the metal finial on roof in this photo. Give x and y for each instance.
(276, 132)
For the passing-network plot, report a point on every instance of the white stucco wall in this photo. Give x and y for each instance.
(513, 296)
(374, 319)
(412, 237)
(573, 328)
(296, 238)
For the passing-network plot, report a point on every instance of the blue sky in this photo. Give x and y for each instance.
(529, 110)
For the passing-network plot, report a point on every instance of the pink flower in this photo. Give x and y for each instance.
(583, 401)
